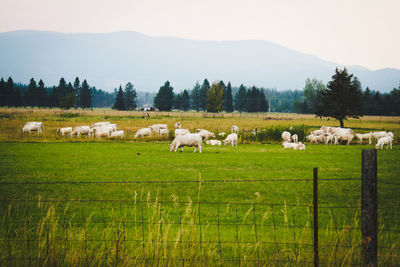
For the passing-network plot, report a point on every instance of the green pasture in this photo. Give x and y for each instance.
(206, 223)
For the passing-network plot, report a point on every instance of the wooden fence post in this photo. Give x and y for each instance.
(315, 206)
(369, 207)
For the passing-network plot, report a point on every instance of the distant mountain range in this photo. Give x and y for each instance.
(107, 60)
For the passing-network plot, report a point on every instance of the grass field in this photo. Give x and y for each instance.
(208, 223)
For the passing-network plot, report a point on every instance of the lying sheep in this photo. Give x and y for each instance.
(186, 140)
(295, 146)
(231, 139)
(387, 140)
(213, 142)
(143, 132)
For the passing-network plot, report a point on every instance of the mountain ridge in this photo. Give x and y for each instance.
(107, 60)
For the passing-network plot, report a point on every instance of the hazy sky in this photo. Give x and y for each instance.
(349, 32)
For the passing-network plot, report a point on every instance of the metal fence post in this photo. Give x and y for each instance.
(369, 207)
(315, 206)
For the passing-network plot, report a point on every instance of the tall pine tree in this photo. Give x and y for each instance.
(240, 99)
(130, 97)
(3, 94)
(228, 99)
(53, 99)
(195, 97)
(185, 100)
(164, 98)
(10, 93)
(85, 96)
(30, 93)
(120, 100)
(77, 88)
(342, 98)
(204, 90)
(41, 95)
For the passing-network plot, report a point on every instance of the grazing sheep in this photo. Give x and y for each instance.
(364, 136)
(387, 140)
(206, 134)
(329, 138)
(286, 136)
(64, 131)
(178, 125)
(143, 132)
(103, 132)
(181, 132)
(345, 137)
(235, 129)
(214, 142)
(186, 140)
(295, 138)
(231, 139)
(83, 130)
(29, 127)
(120, 134)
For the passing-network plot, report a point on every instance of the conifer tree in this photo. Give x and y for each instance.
(228, 100)
(195, 97)
(30, 93)
(262, 104)
(18, 98)
(10, 92)
(53, 99)
(130, 97)
(41, 95)
(3, 94)
(164, 98)
(342, 98)
(240, 99)
(77, 89)
(119, 100)
(85, 96)
(204, 90)
(185, 100)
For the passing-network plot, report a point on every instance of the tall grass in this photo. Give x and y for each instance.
(152, 233)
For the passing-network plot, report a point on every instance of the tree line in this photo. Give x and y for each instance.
(215, 97)
(64, 95)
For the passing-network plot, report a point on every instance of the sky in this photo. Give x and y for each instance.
(348, 32)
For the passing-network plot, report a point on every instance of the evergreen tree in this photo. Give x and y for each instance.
(185, 100)
(62, 89)
(77, 89)
(342, 98)
(69, 100)
(130, 96)
(41, 95)
(164, 98)
(215, 98)
(195, 97)
(240, 99)
(30, 93)
(85, 96)
(204, 90)
(177, 102)
(228, 99)
(262, 104)
(3, 94)
(10, 92)
(120, 100)
(368, 101)
(53, 99)
(18, 98)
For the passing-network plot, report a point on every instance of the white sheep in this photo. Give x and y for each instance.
(387, 140)
(163, 132)
(235, 129)
(206, 134)
(286, 136)
(143, 132)
(156, 127)
(119, 133)
(213, 142)
(101, 123)
(178, 125)
(231, 139)
(64, 131)
(29, 127)
(364, 136)
(186, 140)
(83, 130)
(221, 134)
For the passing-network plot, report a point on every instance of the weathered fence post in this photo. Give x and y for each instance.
(315, 205)
(369, 207)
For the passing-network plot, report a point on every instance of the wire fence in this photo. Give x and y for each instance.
(165, 230)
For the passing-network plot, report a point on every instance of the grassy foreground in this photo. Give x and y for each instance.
(226, 223)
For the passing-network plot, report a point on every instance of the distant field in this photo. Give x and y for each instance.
(90, 216)
(12, 120)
